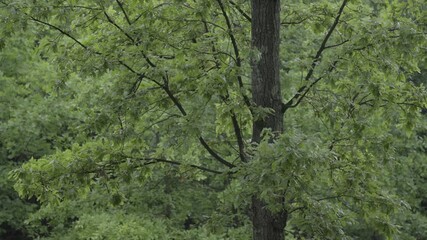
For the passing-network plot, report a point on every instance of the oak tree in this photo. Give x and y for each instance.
(287, 113)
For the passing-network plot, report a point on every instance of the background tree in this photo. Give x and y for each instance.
(34, 121)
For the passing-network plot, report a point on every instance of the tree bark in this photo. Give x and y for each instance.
(265, 71)
(266, 93)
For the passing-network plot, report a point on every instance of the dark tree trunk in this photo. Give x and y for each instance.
(267, 225)
(266, 92)
(265, 72)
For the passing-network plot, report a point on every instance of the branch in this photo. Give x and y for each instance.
(334, 197)
(60, 30)
(160, 160)
(141, 75)
(296, 209)
(236, 126)
(135, 85)
(299, 96)
(74, 7)
(245, 15)
(295, 22)
(239, 137)
(184, 113)
(142, 14)
(192, 20)
(214, 154)
(338, 44)
(236, 51)
(325, 40)
(124, 12)
(110, 20)
(150, 160)
(175, 100)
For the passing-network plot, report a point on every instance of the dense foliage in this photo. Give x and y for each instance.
(128, 120)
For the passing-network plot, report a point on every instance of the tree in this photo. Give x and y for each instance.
(33, 121)
(163, 87)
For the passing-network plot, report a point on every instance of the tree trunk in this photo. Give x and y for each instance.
(265, 71)
(267, 225)
(266, 92)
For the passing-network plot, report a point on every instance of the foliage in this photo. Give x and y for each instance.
(22, 90)
(136, 112)
(34, 119)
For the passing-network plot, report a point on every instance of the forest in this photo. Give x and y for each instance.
(213, 119)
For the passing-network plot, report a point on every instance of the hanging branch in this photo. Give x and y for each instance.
(214, 154)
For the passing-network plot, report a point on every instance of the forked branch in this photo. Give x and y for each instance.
(304, 89)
